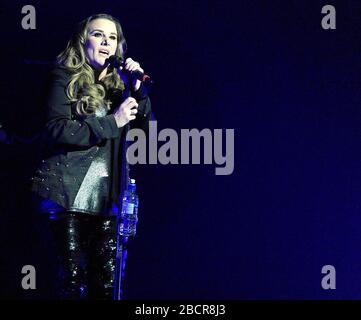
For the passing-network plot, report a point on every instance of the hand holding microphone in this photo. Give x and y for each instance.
(132, 67)
(129, 69)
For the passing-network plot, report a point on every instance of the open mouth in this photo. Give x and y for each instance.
(104, 52)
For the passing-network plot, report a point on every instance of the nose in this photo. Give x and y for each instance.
(105, 40)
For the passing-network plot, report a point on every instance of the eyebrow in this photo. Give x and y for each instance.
(101, 31)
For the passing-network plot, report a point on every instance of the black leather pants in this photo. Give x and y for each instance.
(86, 247)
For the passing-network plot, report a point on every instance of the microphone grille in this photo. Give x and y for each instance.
(115, 61)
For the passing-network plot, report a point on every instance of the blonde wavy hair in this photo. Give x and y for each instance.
(82, 89)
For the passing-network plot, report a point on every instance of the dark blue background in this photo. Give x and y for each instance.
(291, 91)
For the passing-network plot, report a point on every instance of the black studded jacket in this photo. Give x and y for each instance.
(71, 142)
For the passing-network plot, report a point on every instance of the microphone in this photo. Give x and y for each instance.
(117, 62)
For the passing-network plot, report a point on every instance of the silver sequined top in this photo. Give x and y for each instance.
(93, 193)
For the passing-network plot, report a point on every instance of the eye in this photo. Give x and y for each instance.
(97, 34)
(113, 37)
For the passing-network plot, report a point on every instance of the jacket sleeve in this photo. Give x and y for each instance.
(60, 128)
(144, 109)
